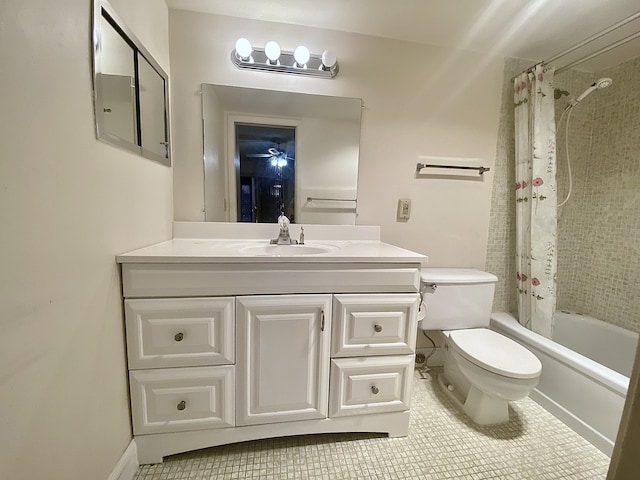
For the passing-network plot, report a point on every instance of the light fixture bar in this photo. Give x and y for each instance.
(285, 64)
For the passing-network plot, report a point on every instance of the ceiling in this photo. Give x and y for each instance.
(530, 29)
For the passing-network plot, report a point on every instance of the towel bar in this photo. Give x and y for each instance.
(311, 199)
(480, 170)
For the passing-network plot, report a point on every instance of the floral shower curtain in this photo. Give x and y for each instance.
(536, 200)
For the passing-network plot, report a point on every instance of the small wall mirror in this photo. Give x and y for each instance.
(130, 89)
(268, 151)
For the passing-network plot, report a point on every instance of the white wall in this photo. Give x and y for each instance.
(68, 205)
(419, 100)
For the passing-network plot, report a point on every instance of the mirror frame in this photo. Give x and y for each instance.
(103, 10)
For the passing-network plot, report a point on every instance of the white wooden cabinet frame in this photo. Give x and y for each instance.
(222, 353)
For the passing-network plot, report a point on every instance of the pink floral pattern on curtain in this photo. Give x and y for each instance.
(536, 199)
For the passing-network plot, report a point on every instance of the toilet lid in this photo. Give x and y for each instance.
(495, 353)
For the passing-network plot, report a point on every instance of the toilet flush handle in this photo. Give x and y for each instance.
(428, 288)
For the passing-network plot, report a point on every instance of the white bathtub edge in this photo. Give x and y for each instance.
(573, 388)
(591, 435)
(607, 377)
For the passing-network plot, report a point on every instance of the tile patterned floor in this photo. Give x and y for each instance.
(442, 444)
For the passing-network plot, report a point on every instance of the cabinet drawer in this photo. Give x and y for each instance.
(370, 385)
(173, 332)
(181, 399)
(374, 324)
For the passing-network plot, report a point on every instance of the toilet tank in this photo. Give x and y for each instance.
(463, 298)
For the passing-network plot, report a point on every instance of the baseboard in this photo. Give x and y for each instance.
(127, 466)
(591, 435)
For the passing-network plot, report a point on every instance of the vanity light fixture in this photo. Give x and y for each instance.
(301, 55)
(272, 51)
(272, 59)
(244, 49)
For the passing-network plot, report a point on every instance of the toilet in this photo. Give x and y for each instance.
(483, 370)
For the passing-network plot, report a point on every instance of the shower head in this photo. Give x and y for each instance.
(598, 84)
(603, 82)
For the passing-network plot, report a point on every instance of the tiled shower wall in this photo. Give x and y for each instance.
(599, 227)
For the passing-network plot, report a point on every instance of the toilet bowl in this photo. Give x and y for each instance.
(483, 370)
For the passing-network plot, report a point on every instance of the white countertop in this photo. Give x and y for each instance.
(228, 242)
(209, 250)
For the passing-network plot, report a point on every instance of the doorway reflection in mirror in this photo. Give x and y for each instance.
(265, 171)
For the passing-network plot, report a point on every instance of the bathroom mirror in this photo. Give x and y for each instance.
(130, 89)
(317, 158)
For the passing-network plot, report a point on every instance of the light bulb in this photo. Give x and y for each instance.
(272, 51)
(329, 58)
(301, 55)
(243, 48)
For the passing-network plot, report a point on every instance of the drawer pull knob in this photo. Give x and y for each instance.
(378, 328)
(375, 390)
(182, 405)
(178, 336)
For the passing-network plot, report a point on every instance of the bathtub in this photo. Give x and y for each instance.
(586, 395)
(607, 344)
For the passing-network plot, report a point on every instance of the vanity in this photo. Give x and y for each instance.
(231, 339)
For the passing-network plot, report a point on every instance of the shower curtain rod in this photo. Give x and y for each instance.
(594, 37)
(599, 52)
(588, 40)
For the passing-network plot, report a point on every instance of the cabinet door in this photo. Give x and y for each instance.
(283, 344)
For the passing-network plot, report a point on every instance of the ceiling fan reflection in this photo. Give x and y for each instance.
(278, 158)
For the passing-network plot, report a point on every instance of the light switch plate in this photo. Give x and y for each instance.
(404, 209)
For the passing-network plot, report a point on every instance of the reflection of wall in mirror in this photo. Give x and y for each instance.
(152, 113)
(118, 101)
(116, 54)
(327, 171)
(214, 157)
(116, 79)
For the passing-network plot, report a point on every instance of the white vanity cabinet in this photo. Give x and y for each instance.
(222, 353)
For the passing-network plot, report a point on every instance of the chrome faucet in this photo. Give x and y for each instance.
(283, 237)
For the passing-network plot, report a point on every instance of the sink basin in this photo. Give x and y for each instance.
(287, 250)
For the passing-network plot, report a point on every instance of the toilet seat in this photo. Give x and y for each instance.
(495, 352)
